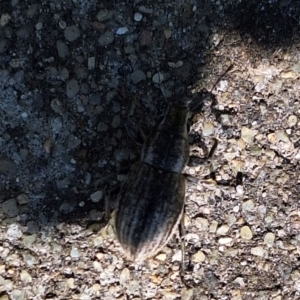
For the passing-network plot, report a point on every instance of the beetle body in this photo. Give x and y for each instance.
(151, 200)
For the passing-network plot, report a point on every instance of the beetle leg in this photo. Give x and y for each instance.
(136, 134)
(196, 160)
(182, 237)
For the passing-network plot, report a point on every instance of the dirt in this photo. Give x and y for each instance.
(72, 71)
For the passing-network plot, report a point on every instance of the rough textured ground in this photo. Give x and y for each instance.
(64, 69)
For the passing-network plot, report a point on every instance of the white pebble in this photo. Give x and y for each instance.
(13, 232)
(122, 30)
(138, 17)
(95, 197)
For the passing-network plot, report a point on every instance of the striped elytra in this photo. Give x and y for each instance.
(151, 200)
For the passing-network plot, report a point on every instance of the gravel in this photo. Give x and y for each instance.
(72, 71)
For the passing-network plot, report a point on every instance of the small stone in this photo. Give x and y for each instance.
(25, 276)
(3, 45)
(29, 259)
(14, 232)
(17, 295)
(138, 17)
(96, 287)
(122, 30)
(121, 177)
(72, 33)
(10, 207)
(74, 252)
(272, 138)
(158, 78)
(72, 88)
(97, 266)
(269, 239)
(4, 297)
(161, 257)
(258, 251)
(138, 76)
(116, 121)
(102, 127)
(106, 39)
(145, 38)
(5, 18)
(225, 119)
(71, 283)
(28, 240)
(22, 199)
(94, 99)
(56, 105)
(62, 49)
(47, 146)
(38, 101)
(177, 256)
(98, 26)
(32, 10)
(91, 63)
(248, 205)
(198, 257)
(240, 190)
(104, 15)
(96, 197)
(247, 135)
(223, 230)
(62, 24)
(169, 295)
(124, 276)
(201, 224)
(225, 240)
(208, 129)
(38, 26)
(246, 233)
(213, 226)
(289, 74)
(222, 86)
(72, 141)
(23, 33)
(282, 136)
(187, 294)
(64, 74)
(7, 167)
(236, 295)
(145, 9)
(100, 256)
(32, 226)
(167, 33)
(292, 120)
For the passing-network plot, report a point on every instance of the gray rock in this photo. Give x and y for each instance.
(72, 33)
(104, 15)
(3, 45)
(32, 227)
(10, 207)
(102, 127)
(106, 39)
(23, 33)
(62, 49)
(7, 167)
(72, 141)
(72, 88)
(38, 101)
(94, 99)
(138, 76)
(116, 121)
(56, 124)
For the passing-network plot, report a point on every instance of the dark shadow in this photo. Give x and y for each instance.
(269, 25)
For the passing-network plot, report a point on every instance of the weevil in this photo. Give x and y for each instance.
(151, 199)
